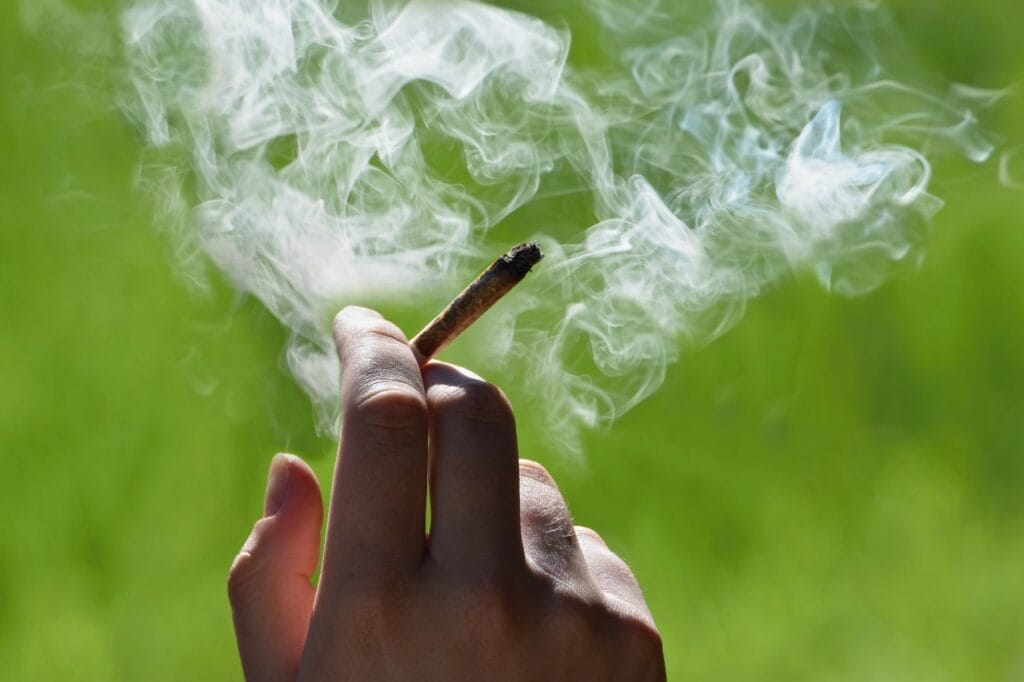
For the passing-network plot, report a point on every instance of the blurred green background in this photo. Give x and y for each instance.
(832, 491)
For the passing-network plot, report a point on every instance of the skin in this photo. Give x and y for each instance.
(504, 587)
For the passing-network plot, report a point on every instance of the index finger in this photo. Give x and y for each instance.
(376, 522)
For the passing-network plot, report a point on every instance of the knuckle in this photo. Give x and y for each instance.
(549, 522)
(640, 634)
(633, 627)
(338, 323)
(542, 505)
(242, 578)
(390, 404)
(544, 517)
(476, 401)
(632, 642)
(253, 561)
(552, 544)
(380, 331)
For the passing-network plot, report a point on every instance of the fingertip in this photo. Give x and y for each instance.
(461, 399)
(289, 532)
(362, 335)
(536, 472)
(295, 463)
(379, 371)
(349, 316)
(589, 534)
(303, 485)
(357, 311)
(269, 582)
(291, 484)
(278, 477)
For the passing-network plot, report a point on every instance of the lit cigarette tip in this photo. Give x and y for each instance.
(523, 257)
(477, 298)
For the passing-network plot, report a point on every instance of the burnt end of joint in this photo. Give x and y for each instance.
(477, 298)
(523, 257)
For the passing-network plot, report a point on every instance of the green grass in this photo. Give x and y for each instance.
(832, 491)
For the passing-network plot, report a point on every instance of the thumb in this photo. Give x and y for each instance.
(269, 582)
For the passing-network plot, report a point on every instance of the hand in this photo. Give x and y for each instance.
(502, 588)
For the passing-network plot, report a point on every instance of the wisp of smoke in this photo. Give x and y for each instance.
(717, 151)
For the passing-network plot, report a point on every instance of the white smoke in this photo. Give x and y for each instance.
(1010, 171)
(369, 158)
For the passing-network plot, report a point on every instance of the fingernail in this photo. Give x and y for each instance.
(277, 485)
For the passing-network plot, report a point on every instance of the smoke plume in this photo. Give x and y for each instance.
(683, 160)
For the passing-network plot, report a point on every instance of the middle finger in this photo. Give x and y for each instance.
(376, 525)
(474, 477)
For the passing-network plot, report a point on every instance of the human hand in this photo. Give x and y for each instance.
(502, 588)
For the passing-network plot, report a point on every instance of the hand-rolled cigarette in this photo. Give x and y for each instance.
(477, 298)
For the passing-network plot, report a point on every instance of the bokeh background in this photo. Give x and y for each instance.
(832, 491)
